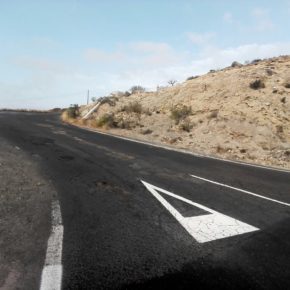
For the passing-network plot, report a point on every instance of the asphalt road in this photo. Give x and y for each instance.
(120, 234)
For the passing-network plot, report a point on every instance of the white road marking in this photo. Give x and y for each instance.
(52, 271)
(92, 110)
(184, 151)
(242, 190)
(59, 132)
(204, 228)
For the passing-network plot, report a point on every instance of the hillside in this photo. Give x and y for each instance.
(240, 112)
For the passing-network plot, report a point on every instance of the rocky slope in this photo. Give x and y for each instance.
(240, 112)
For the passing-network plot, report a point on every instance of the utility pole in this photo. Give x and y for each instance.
(88, 97)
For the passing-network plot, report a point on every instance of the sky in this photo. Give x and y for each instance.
(52, 52)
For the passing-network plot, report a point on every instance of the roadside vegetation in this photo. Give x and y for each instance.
(240, 112)
(180, 113)
(134, 107)
(71, 113)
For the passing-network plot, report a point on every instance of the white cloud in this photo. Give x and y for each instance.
(44, 42)
(137, 54)
(260, 12)
(218, 58)
(262, 20)
(228, 17)
(96, 55)
(209, 58)
(46, 86)
(154, 54)
(150, 47)
(41, 64)
(200, 38)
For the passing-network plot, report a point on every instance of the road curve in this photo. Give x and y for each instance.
(138, 216)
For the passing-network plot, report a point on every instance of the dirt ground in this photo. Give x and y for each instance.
(228, 118)
(25, 206)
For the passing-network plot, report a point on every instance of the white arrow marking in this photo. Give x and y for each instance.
(204, 228)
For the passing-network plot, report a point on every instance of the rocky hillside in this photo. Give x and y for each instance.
(241, 112)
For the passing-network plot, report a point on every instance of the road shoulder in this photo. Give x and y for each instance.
(25, 199)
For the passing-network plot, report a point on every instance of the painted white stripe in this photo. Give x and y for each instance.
(91, 111)
(241, 190)
(51, 277)
(52, 271)
(204, 228)
(183, 150)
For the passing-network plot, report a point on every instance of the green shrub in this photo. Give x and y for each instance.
(73, 111)
(180, 113)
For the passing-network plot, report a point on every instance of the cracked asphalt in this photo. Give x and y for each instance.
(117, 235)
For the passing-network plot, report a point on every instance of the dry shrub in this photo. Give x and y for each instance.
(73, 111)
(146, 131)
(220, 149)
(269, 72)
(64, 116)
(124, 124)
(134, 107)
(186, 125)
(257, 84)
(180, 113)
(192, 78)
(236, 64)
(110, 100)
(106, 120)
(137, 89)
(279, 129)
(287, 84)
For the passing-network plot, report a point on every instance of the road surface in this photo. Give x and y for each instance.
(133, 216)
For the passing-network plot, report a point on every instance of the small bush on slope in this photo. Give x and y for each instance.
(180, 113)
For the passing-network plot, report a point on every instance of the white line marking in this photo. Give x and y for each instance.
(51, 277)
(204, 228)
(92, 110)
(183, 150)
(241, 190)
(52, 271)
